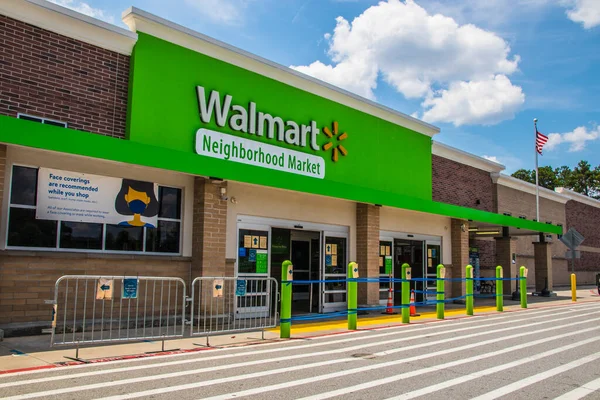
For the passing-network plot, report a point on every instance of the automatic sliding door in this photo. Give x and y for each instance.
(434, 258)
(253, 262)
(335, 250)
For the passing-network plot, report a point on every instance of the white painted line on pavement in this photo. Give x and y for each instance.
(493, 370)
(297, 368)
(437, 368)
(432, 325)
(211, 369)
(494, 394)
(582, 391)
(304, 355)
(383, 365)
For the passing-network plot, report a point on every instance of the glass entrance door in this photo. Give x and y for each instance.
(434, 258)
(335, 258)
(305, 258)
(410, 252)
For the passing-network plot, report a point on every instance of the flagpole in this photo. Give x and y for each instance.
(537, 187)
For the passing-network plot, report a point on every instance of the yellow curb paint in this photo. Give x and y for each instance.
(368, 322)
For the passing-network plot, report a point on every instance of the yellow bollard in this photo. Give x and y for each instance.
(573, 287)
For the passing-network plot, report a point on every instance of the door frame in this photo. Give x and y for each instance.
(333, 306)
(383, 237)
(297, 228)
(427, 240)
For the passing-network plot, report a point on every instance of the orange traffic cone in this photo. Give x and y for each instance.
(390, 302)
(413, 308)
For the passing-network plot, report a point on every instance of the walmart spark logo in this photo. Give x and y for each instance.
(339, 149)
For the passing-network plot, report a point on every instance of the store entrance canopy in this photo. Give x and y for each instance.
(32, 134)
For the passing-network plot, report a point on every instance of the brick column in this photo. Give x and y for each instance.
(505, 247)
(367, 251)
(460, 255)
(542, 254)
(209, 230)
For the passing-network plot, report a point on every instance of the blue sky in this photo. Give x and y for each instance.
(479, 70)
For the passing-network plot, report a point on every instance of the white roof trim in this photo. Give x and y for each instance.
(139, 20)
(460, 156)
(64, 21)
(518, 184)
(581, 198)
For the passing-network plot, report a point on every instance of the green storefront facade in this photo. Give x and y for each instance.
(264, 164)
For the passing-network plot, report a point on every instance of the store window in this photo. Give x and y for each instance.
(24, 230)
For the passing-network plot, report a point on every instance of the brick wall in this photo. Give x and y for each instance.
(585, 219)
(521, 203)
(209, 230)
(27, 279)
(487, 254)
(367, 251)
(460, 184)
(460, 255)
(53, 76)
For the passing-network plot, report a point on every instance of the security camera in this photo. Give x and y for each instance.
(535, 120)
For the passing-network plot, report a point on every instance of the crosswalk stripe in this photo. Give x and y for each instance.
(363, 334)
(537, 378)
(388, 364)
(489, 371)
(266, 351)
(582, 391)
(434, 388)
(306, 366)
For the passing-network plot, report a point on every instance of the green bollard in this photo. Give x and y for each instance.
(285, 313)
(523, 283)
(406, 273)
(352, 295)
(469, 289)
(439, 307)
(499, 289)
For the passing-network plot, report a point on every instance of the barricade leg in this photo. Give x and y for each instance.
(439, 307)
(499, 289)
(573, 287)
(469, 290)
(405, 293)
(352, 296)
(523, 282)
(285, 322)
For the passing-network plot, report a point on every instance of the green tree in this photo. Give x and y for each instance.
(524, 175)
(546, 177)
(564, 177)
(581, 179)
(585, 180)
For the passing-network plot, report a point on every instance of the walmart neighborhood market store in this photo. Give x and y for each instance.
(194, 158)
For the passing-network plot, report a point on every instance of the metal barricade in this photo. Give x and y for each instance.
(95, 308)
(228, 304)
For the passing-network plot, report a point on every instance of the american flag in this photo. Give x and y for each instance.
(540, 141)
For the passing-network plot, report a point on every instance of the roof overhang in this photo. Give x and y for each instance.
(32, 134)
(72, 24)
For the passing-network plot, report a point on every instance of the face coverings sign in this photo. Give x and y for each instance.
(76, 197)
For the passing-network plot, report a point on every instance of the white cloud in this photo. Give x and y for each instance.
(586, 12)
(230, 12)
(492, 158)
(484, 102)
(85, 8)
(423, 56)
(577, 138)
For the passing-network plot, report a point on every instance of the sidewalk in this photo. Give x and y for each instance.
(34, 352)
